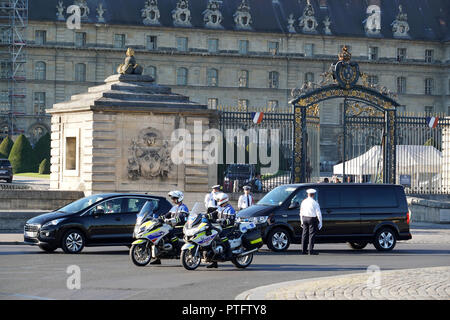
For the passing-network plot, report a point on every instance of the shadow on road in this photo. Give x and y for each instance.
(303, 267)
(357, 252)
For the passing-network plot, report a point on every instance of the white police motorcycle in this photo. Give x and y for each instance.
(203, 241)
(154, 238)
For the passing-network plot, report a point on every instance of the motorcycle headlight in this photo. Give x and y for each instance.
(52, 223)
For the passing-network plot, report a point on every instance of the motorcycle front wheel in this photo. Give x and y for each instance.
(243, 261)
(189, 260)
(140, 254)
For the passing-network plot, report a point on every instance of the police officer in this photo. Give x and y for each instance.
(225, 215)
(311, 221)
(177, 215)
(245, 200)
(210, 202)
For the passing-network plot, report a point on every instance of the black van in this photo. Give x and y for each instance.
(355, 213)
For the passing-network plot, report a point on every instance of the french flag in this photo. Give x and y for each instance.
(432, 122)
(257, 117)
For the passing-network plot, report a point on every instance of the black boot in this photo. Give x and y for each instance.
(156, 261)
(213, 265)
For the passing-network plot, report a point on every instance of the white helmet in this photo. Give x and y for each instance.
(221, 198)
(176, 194)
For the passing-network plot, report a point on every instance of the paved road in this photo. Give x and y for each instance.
(107, 273)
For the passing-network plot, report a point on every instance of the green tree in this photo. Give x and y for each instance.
(42, 148)
(5, 147)
(22, 157)
(44, 167)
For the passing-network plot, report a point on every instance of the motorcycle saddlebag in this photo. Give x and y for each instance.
(252, 240)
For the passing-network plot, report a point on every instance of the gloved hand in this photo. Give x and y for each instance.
(320, 225)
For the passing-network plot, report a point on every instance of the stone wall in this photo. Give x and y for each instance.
(423, 210)
(36, 199)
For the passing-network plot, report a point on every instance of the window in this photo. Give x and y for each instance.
(401, 85)
(429, 110)
(40, 70)
(243, 46)
(273, 80)
(243, 79)
(373, 80)
(309, 77)
(5, 70)
(39, 103)
(109, 207)
(152, 43)
(182, 76)
(182, 44)
(273, 47)
(448, 111)
(401, 54)
(213, 77)
(151, 71)
(272, 104)
(338, 198)
(243, 104)
(213, 103)
(375, 197)
(309, 49)
(373, 53)
(80, 39)
(135, 205)
(80, 72)
(40, 37)
(213, 45)
(71, 153)
(429, 55)
(119, 41)
(429, 86)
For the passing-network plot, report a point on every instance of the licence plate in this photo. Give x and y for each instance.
(30, 234)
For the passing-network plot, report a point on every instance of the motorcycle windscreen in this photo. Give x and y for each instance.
(195, 215)
(146, 212)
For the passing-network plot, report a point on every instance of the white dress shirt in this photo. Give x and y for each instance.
(245, 201)
(210, 202)
(310, 208)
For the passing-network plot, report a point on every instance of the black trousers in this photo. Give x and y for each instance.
(310, 228)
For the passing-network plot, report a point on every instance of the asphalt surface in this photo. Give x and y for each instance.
(26, 272)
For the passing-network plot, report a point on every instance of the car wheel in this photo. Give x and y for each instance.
(357, 245)
(73, 241)
(278, 240)
(385, 239)
(47, 248)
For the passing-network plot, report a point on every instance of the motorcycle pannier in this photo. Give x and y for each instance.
(252, 240)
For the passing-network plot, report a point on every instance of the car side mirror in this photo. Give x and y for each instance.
(294, 205)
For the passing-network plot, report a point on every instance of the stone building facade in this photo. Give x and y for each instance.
(250, 53)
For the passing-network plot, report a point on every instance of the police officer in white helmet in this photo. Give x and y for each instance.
(177, 215)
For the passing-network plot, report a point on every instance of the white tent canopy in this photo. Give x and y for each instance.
(410, 158)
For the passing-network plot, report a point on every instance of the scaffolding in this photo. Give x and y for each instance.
(13, 24)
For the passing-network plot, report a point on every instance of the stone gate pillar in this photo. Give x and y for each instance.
(446, 157)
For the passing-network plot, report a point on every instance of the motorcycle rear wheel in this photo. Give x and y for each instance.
(140, 254)
(243, 261)
(189, 261)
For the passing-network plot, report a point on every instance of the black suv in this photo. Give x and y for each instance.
(355, 213)
(97, 220)
(6, 172)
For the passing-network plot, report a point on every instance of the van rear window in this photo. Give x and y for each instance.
(380, 197)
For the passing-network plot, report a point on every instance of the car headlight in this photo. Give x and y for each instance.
(255, 220)
(52, 223)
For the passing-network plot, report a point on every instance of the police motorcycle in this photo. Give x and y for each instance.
(203, 241)
(154, 237)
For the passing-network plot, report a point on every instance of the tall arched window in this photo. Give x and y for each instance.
(150, 71)
(213, 77)
(80, 72)
(243, 79)
(40, 70)
(309, 77)
(274, 79)
(182, 76)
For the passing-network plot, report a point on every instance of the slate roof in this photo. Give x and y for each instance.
(428, 19)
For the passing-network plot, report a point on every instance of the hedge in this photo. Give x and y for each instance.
(22, 156)
(5, 147)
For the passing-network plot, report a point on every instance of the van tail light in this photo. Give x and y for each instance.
(408, 217)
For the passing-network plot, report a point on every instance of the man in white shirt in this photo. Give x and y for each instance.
(210, 202)
(311, 221)
(245, 200)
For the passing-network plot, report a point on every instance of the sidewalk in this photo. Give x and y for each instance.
(409, 284)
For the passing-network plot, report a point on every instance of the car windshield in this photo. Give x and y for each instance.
(80, 204)
(277, 196)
